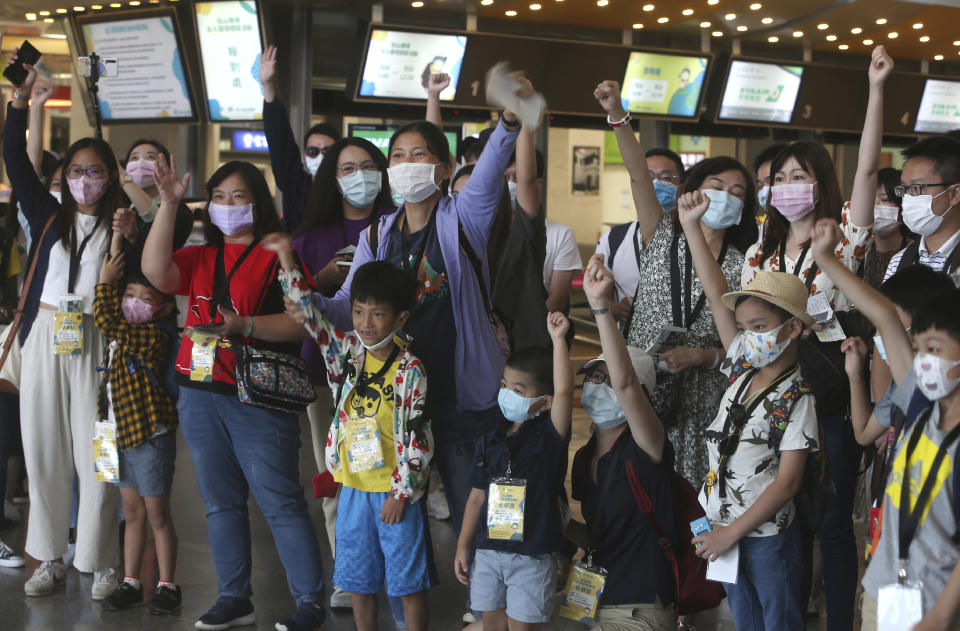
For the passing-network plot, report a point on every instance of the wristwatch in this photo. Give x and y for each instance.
(127, 178)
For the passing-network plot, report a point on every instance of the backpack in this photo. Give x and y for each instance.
(616, 237)
(694, 592)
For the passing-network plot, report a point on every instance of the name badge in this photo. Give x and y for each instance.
(202, 356)
(68, 326)
(505, 504)
(581, 597)
(899, 606)
(106, 459)
(364, 450)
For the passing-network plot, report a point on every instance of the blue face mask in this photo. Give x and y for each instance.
(512, 189)
(724, 210)
(397, 199)
(762, 196)
(515, 408)
(666, 194)
(601, 405)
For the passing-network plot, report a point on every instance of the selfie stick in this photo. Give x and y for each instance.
(93, 88)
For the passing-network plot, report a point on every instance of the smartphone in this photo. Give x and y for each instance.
(700, 526)
(109, 67)
(15, 72)
(206, 327)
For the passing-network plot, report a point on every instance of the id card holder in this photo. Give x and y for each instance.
(505, 503)
(581, 598)
(899, 606)
(364, 449)
(106, 458)
(202, 356)
(68, 326)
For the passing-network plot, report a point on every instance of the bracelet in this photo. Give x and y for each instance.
(602, 310)
(249, 332)
(17, 96)
(510, 125)
(620, 123)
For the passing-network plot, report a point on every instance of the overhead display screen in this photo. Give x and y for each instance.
(668, 85)
(760, 92)
(939, 108)
(150, 83)
(380, 135)
(399, 63)
(230, 47)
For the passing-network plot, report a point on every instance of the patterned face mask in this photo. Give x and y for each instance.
(762, 349)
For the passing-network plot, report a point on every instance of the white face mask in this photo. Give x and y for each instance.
(312, 164)
(885, 219)
(918, 213)
(724, 210)
(414, 181)
(763, 195)
(762, 349)
(931, 373)
(601, 405)
(57, 195)
(386, 341)
(360, 188)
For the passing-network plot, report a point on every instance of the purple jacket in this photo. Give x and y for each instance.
(479, 360)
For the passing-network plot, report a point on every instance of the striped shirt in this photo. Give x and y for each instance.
(936, 261)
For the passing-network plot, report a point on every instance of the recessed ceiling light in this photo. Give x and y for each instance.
(831, 38)
(881, 21)
(798, 33)
(687, 12)
(856, 30)
(938, 57)
(717, 33)
(705, 24)
(602, 3)
(767, 21)
(79, 9)
(730, 16)
(713, 2)
(114, 5)
(43, 13)
(31, 16)
(868, 42)
(416, 5)
(96, 7)
(48, 20)
(893, 35)
(663, 20)
(918, 26)
(756, 6)
(134, 3)
(742, 28)
(648, 7)
(61, 11)
(956, 43)
(843, 47)
(822, 26)
(486, 3)
(773, 39)
(535, 7)
(510, 13)
(638, 26)
(925, 39)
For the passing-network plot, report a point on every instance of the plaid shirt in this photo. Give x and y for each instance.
(140, 404)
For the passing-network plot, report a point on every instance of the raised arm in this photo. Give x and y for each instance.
(38, 96)
(866, 428)
(868, 160)
(436, 84)
(690, 208)
(157, 259)
(641, 184)
(138, 198)
(529, 191)
(645, 425)
(337, 308)
(561, 411)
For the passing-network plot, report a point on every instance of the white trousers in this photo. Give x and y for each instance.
(58, 409)
(319, 414)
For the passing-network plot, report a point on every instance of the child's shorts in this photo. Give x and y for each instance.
(523, 585)
(371, 553)
(148, 467)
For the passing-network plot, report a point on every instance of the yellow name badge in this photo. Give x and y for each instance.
(202, 356)
(581, 598)
(364, 451)
(505, 502)
(106, 459)
(67, 333)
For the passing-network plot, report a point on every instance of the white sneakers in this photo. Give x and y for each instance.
(50, 576)
(104, 583)
(8, 558)
(11, 512)
(340, 600)
(437, 507)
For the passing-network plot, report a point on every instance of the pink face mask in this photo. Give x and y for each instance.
(794, 201)
(142, 172)
(86, 190)
(137, 311)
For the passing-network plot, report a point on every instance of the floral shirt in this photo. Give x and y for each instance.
(344, 357)
(851, 249)
(788, 408)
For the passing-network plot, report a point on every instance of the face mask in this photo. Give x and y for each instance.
(724, 211)
(413, 181)
(142, 172)
(931, 373)
(919, 216)
(231, 220)
(397, 198)
(885, 219)
(86, 190)
(386, 341)
(512, 189)
(666, 194)
(762, 349)
(360, 188)
(763, 195)
(600, 402)
(515, 408)
(57, 195)
(794, 201)
(312, 164)
(137, 311)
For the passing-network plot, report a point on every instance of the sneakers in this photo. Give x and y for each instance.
(8, 558)
(437, 507)
(104, 584)
(227, 612)
(50, 576)
(309, 617)
(340, 600)
(123, 597)
(165, 600)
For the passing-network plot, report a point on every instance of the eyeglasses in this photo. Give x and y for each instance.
(917, 189)
(313, 152)
(76, 172)
(666, 178)
(738, 418)
(349, 168)
(595, 376)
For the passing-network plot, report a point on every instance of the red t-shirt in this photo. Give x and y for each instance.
(254, 290)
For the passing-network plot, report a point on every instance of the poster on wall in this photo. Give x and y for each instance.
(399, 63)
(230, 47)
(765, 93)
(668, 85)
(939, 108)
(586, 170)
(150, 83)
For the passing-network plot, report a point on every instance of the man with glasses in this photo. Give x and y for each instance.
(930, 189)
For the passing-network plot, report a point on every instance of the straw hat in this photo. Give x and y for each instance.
(642, 365)
(779, 288)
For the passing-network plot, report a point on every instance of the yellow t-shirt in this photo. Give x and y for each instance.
(364, 467)
(15, 267)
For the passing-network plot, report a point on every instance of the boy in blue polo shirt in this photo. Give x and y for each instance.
(514, 507)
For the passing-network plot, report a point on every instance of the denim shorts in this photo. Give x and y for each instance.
(148, 467)
(523, 585)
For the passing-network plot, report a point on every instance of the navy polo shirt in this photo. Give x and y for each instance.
(539, 456)
(627, 548)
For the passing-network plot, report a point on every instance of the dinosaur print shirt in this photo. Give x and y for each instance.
(787, 408)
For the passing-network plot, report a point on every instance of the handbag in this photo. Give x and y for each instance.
(276, 381)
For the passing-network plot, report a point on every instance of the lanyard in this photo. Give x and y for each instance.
(363, 381)
(408, 262)
(684, 316)
(522, 438)
(910, 519)
(811, 275)
(76, 253)
(221, 280)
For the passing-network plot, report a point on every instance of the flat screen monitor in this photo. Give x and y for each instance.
(230, 47)
(939, 107)
(398, 63)
(151, 83)
(760, 92)
(380, 135)
(666, 85)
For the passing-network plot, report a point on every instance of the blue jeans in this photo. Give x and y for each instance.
(768, 593)
(237, 448)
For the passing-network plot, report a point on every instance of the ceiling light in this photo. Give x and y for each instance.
(756, 6)
(856, 30)
(767, 21)
(79, 9)
(925, 39)
(134, 3)
(43, 13)
(773, 39)
(918, 26)
(48, 20)
(602, 3)
(648, 7)
(61, 11)
(831, 38)
(956, 43)
(535, 7)
(705, 24)
(822, 26)
(687, 12)
(742, 28)
(663, 20)
(711, 3)
(716, 33)
(115, 5)
(638, 26)
(31, 16)
(730, 16)
(416, 5)
(843, 47)
(510, 13)
(938, 57)
(486, 3)
(868, 42)
(96, 7)
(881, 21)
(893, 35)
(798, 33)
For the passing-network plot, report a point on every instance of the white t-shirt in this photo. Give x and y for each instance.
(58, 269)
(626, 272)
(562, 252)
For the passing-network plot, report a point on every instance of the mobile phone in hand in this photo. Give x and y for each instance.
(15, 72)
(700, 526)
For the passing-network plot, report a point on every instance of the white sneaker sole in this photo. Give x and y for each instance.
(12, 562)
(45, 592)
(236, 622)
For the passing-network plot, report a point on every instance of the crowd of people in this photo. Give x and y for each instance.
(414, 307)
